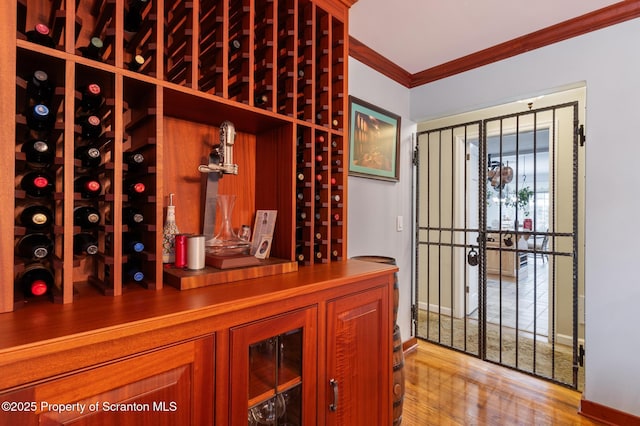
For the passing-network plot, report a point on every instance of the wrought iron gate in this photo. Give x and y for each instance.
(497, 240)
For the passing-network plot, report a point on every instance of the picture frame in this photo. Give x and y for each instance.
(374, 141)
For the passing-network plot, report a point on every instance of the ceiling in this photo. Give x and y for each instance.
(420, 34)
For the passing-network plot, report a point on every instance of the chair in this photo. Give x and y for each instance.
(540, 245)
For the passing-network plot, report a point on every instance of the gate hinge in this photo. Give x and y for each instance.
(581, 355)
(414, 313)
(581, 136)
(415, 160)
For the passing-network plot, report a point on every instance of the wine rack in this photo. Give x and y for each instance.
(170, 72)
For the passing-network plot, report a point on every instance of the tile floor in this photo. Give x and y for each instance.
(532, 296)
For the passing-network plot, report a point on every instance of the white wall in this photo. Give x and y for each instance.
(611, 71)
(375, 204)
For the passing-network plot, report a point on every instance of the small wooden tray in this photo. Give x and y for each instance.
(184, 279)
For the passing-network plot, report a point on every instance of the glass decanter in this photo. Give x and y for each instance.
(226, 242)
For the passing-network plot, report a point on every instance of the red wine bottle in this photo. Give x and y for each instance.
(88, 155)
(41, 35)
(34, 246)
(40, 118)
(91, 98)
(93, 50)
(37, 184)
(132, 216)
(87, 186)
(36, 217)
(133, 270)
(38, 153)
(134, 188)
(131, 243)
(85, 243)
(90, 127)
(36, 280)
(39, 88)
(86, 217)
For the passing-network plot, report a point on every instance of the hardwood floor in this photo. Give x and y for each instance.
(444, 387)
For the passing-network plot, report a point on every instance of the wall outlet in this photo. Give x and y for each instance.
(399, 224)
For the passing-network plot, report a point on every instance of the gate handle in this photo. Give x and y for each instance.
(334, 385)
(472, 257)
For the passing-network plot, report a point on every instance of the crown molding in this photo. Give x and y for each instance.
(602, 18)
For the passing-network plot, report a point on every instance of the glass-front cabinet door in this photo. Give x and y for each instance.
(273, 370)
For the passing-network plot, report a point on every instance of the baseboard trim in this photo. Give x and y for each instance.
(410, 345)
(607, 415)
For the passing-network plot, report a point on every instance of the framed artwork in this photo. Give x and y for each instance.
(374, 141)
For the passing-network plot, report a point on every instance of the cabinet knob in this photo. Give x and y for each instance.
(334, 386)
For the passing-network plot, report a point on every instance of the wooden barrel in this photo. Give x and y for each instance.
(396, 288)
(398, 376)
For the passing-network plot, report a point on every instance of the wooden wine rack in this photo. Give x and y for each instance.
(277, 69)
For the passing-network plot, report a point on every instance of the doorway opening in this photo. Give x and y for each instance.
(498, 239)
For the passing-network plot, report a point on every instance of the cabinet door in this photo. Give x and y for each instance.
(273, 370)
(167, 387)
(359, 371)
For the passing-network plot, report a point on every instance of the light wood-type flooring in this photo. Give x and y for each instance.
(445, 387)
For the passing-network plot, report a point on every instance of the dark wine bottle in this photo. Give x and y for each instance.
(133, 270)
(90, 127)
(36, 217)
(37, 184)
(88, 155)
(133, 16)
(261, 99)
(134, 188)
(87, 186)
(91, 98)
(132, 216)
(40, 118)
(85, 243)
(36, 280)
(38, 153)
(131, 243)
(133, 160)
(234, 45)
(93, 50)
(35, 246)
(40, 34)
(136, 63)
(86, 217)
(39, 88)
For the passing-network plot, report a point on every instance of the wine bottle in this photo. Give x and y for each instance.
(40, 34)
(136, 63)
(37, 184)
(133, 160)
(133, 270)
(36, 280)
(36, 217)
(38, 153)
(93, 50)
(133, 16)
(86, 217)
(169, 233)
(91, 97)
(88, 155)
(40, 118)
(39, 88)
(87, 186)
(90, 127)
(85, 243)
(234, 45)
(261, 99)
(35, 246)
(132, 216)
(134, 188)
(131, 243)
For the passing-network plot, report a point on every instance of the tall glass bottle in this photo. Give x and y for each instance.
(169, 234)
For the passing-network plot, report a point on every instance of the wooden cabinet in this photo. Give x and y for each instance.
(164, 387)
(318, 341)
(357, 375)
(276, 69)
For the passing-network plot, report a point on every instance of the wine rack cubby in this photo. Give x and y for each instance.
(169, 73)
